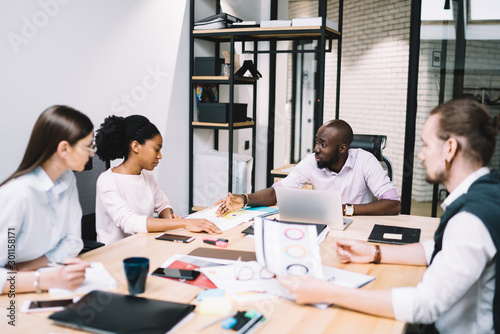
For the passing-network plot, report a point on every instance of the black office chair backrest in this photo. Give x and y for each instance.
(375, 145)
(86, 183)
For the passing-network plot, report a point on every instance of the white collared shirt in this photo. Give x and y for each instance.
(46, 218)
(360, 178)
(124, 202)
(456, 291)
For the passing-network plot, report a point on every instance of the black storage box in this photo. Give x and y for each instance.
(208, 66)
(219, 112)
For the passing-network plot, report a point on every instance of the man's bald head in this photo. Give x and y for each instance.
(343, 129)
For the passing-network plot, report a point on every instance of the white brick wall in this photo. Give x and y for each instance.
(374, 69)
(375, 53)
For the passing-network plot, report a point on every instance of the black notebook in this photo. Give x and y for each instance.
(394, 235)
(108, 312)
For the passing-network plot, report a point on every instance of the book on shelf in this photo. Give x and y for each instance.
(387, 234)
(214, 25)
(313, 21)
(222, 17)
(244, 24)
(275, 23)
(217, 21)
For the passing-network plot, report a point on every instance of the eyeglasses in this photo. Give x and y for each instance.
(245, 272)
(92, 148)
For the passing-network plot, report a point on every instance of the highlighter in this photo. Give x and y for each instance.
(219, 242)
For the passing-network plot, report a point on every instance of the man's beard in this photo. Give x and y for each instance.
(439, 178)
(329, 163)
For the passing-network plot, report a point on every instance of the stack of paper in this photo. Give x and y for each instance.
(313, 21)
(244, 24)
(275, 23)
(217, 21)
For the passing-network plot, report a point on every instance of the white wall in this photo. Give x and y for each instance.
(118, 57)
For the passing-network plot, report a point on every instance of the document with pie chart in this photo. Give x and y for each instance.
(287, 249)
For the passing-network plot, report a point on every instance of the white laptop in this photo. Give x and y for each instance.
(312, 206)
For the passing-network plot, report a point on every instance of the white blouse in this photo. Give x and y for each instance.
(39, 217)
(124, 202)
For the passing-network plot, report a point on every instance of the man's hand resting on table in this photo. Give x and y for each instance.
(229, 204)
(354, 251)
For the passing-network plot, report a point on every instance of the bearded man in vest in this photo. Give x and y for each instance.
(459, 292)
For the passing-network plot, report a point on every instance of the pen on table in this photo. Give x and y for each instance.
(256, 327)
(218, 320)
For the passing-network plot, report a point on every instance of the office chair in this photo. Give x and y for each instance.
(86, 183)
(373, 144)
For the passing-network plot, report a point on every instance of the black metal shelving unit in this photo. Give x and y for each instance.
(322, 34)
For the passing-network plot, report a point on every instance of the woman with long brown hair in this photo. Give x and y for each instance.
(40, 213)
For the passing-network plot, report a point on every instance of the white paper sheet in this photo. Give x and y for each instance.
(246, 290)
(243, 291)
(96, 278)
(232, 219)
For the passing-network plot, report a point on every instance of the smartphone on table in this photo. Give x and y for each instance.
(175, 237)
(45, 305)
(176, 273)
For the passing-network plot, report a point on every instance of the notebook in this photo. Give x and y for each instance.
(394, 234)
(108, 312)
(312, 206)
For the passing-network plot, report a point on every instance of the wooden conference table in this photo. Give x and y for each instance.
(282, 316)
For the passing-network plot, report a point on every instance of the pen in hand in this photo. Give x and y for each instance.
(54, 264)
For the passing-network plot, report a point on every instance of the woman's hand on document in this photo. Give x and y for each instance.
(354, 251)
(229, 204)
(199, 225)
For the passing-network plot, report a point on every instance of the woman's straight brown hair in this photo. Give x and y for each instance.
(55, 124)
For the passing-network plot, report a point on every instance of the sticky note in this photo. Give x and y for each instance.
(215, 306)
(210, 293)
(393, 236)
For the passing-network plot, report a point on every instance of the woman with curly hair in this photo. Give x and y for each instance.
(127, 196)
(40, 214)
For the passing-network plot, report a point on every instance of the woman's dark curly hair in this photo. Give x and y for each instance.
(114, 136)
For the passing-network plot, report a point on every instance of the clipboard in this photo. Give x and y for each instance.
(223, 254)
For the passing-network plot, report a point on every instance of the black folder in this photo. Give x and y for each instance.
(387, 234)
(108, 312)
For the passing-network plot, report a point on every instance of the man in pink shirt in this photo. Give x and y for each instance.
(355, 173)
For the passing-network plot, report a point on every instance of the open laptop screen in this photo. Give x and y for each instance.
(311, 206)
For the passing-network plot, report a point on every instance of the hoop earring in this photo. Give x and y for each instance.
(447, 165)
